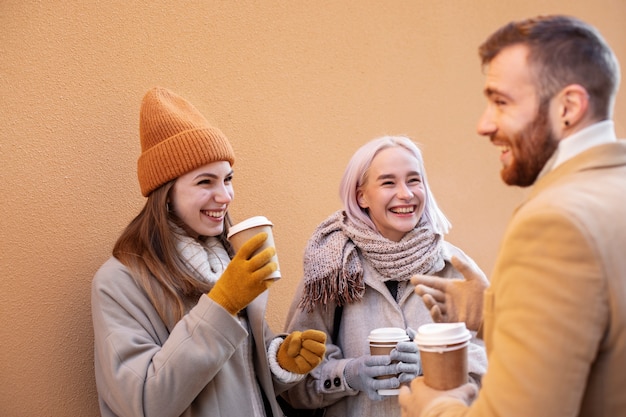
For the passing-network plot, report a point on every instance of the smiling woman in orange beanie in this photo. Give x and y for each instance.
(179, 317)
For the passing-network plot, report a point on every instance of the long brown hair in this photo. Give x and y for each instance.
(147, 247)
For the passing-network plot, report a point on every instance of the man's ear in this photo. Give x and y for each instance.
(573, 102)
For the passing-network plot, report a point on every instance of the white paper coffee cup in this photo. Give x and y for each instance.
(241, 232)
(443, 352)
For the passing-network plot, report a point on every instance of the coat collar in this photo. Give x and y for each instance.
(598, 157)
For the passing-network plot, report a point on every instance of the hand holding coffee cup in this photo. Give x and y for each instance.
(406, 355)
(392, 341)
(245, 230)
(363, 373)
(245, 276)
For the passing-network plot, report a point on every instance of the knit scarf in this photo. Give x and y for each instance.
(207, 260)
(333, 269)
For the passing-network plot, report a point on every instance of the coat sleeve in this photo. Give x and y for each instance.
(262, 331)
(141, 369)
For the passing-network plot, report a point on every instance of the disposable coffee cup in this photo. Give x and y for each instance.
(243, 231)
(443, 352)
(382, 341)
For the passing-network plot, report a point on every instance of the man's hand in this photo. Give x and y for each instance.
(420, 397)
(454, 300)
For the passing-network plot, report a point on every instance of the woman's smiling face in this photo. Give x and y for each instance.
(393, 193)
(200, 198)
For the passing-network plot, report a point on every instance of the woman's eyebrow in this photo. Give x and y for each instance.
(392, 176)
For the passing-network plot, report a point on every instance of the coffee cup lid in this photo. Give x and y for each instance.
(248, 223)
(388, 334)
(434, 334)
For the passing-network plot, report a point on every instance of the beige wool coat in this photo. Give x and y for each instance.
(555, 312)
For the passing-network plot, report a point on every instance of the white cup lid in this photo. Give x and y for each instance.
(388, 334)
(248, 223)
(434, 334)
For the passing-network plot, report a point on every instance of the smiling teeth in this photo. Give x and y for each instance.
(403, 210)
(214, 213)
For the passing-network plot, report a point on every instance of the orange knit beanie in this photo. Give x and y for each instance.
(175, 139)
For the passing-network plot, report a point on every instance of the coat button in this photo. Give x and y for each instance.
(327, 384)
(337, 382)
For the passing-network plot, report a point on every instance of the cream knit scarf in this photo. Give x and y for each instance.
(332, 259)
(207, 260)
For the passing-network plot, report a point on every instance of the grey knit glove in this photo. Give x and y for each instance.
(360, 374)
(408, 356)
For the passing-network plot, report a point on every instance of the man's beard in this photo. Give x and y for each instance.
(531, 149)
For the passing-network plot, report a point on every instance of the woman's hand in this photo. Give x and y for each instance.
(246, 276)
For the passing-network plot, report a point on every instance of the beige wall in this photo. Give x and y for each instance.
(296, 86)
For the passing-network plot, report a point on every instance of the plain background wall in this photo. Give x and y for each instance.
(296, 86)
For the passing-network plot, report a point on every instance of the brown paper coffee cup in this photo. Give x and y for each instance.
(382, 341)
(443, 352)
(243, 231)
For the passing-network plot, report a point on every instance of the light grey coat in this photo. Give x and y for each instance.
(197, 369)
(326, 385)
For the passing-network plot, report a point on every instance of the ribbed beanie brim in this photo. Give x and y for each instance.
(175, 139)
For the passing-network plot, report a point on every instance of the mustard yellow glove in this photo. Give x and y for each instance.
(300, 352)
(245, 277)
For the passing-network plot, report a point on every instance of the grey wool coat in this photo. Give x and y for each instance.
(197, 369)
(325, 386)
